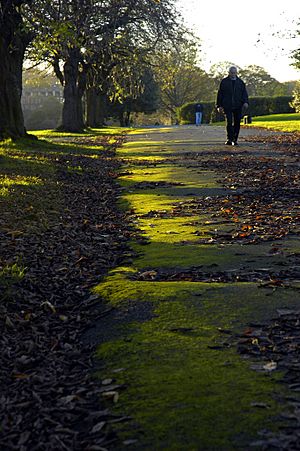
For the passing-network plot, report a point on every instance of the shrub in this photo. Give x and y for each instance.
(186, 113)
(295, 103)
(259, 106)
(262, 106)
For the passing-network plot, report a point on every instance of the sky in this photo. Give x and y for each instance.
(246, 32)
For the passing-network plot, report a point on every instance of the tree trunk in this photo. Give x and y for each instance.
(96, 107)
(12, 48)
(121, 118)
(124, 117)
(127, 118)
(74, 87)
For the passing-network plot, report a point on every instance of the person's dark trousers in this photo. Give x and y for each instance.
(233, 124)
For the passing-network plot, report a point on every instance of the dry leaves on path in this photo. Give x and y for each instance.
(276, 346)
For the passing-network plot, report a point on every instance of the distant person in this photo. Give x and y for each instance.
(198, 113)
(232, 99)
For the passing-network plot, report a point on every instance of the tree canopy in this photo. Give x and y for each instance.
(89, 43)
(101, 50)
(93, 44)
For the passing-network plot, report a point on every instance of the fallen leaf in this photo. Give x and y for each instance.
(98, 427)
(270, 366)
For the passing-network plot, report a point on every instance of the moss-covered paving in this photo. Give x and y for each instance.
(186, 388)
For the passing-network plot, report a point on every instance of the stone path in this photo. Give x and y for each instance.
(200, 274)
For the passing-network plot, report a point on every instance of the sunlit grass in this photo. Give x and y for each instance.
(18, 180)
(143, 144)
(30, 194)
(93, 132)
(14, 271)
(32, 197)
(4, 192)
(87, 143)
(10, 273)
(142, 131)
(278, 117)
(278, 122)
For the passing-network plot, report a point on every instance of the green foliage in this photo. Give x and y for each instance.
(35, 78)
(180, 78)
(186, 114)
(296, 53)
(295, 103)
(109, 52)
(146, 102)
(260, 106)
(259, 82)
(218, 71)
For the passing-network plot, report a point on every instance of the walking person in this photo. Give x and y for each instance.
(198, 113)
(232, 99)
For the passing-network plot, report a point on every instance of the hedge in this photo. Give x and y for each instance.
(262, 106)
(259, 106)
(186, 113)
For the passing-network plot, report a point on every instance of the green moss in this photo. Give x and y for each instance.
(186, 386)
(175, 381)
(170, 252)
(192, 178)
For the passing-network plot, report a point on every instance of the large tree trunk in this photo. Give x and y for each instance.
(12, 47)
(96, 107)
(124, 118)
(74, 87)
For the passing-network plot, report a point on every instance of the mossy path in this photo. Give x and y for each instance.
(171, 339)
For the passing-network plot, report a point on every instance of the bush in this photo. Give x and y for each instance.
(296, 98)
(259, 106)
(262, 106)
(186, 113)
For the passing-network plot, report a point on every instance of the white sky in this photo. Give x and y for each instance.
(229, 31)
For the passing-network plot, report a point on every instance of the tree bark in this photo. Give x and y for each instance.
(124, 118)
(12, 48)
(96, 107)
(74, 87)
(121, 118)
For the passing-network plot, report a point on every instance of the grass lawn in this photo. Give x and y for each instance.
(93, 132)
(280, 122)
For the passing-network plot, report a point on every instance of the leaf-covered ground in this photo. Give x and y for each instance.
(199, 332)
(60, 232)
(219, 256)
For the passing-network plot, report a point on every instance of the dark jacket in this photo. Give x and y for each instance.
(232, 98)
(199, 108)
